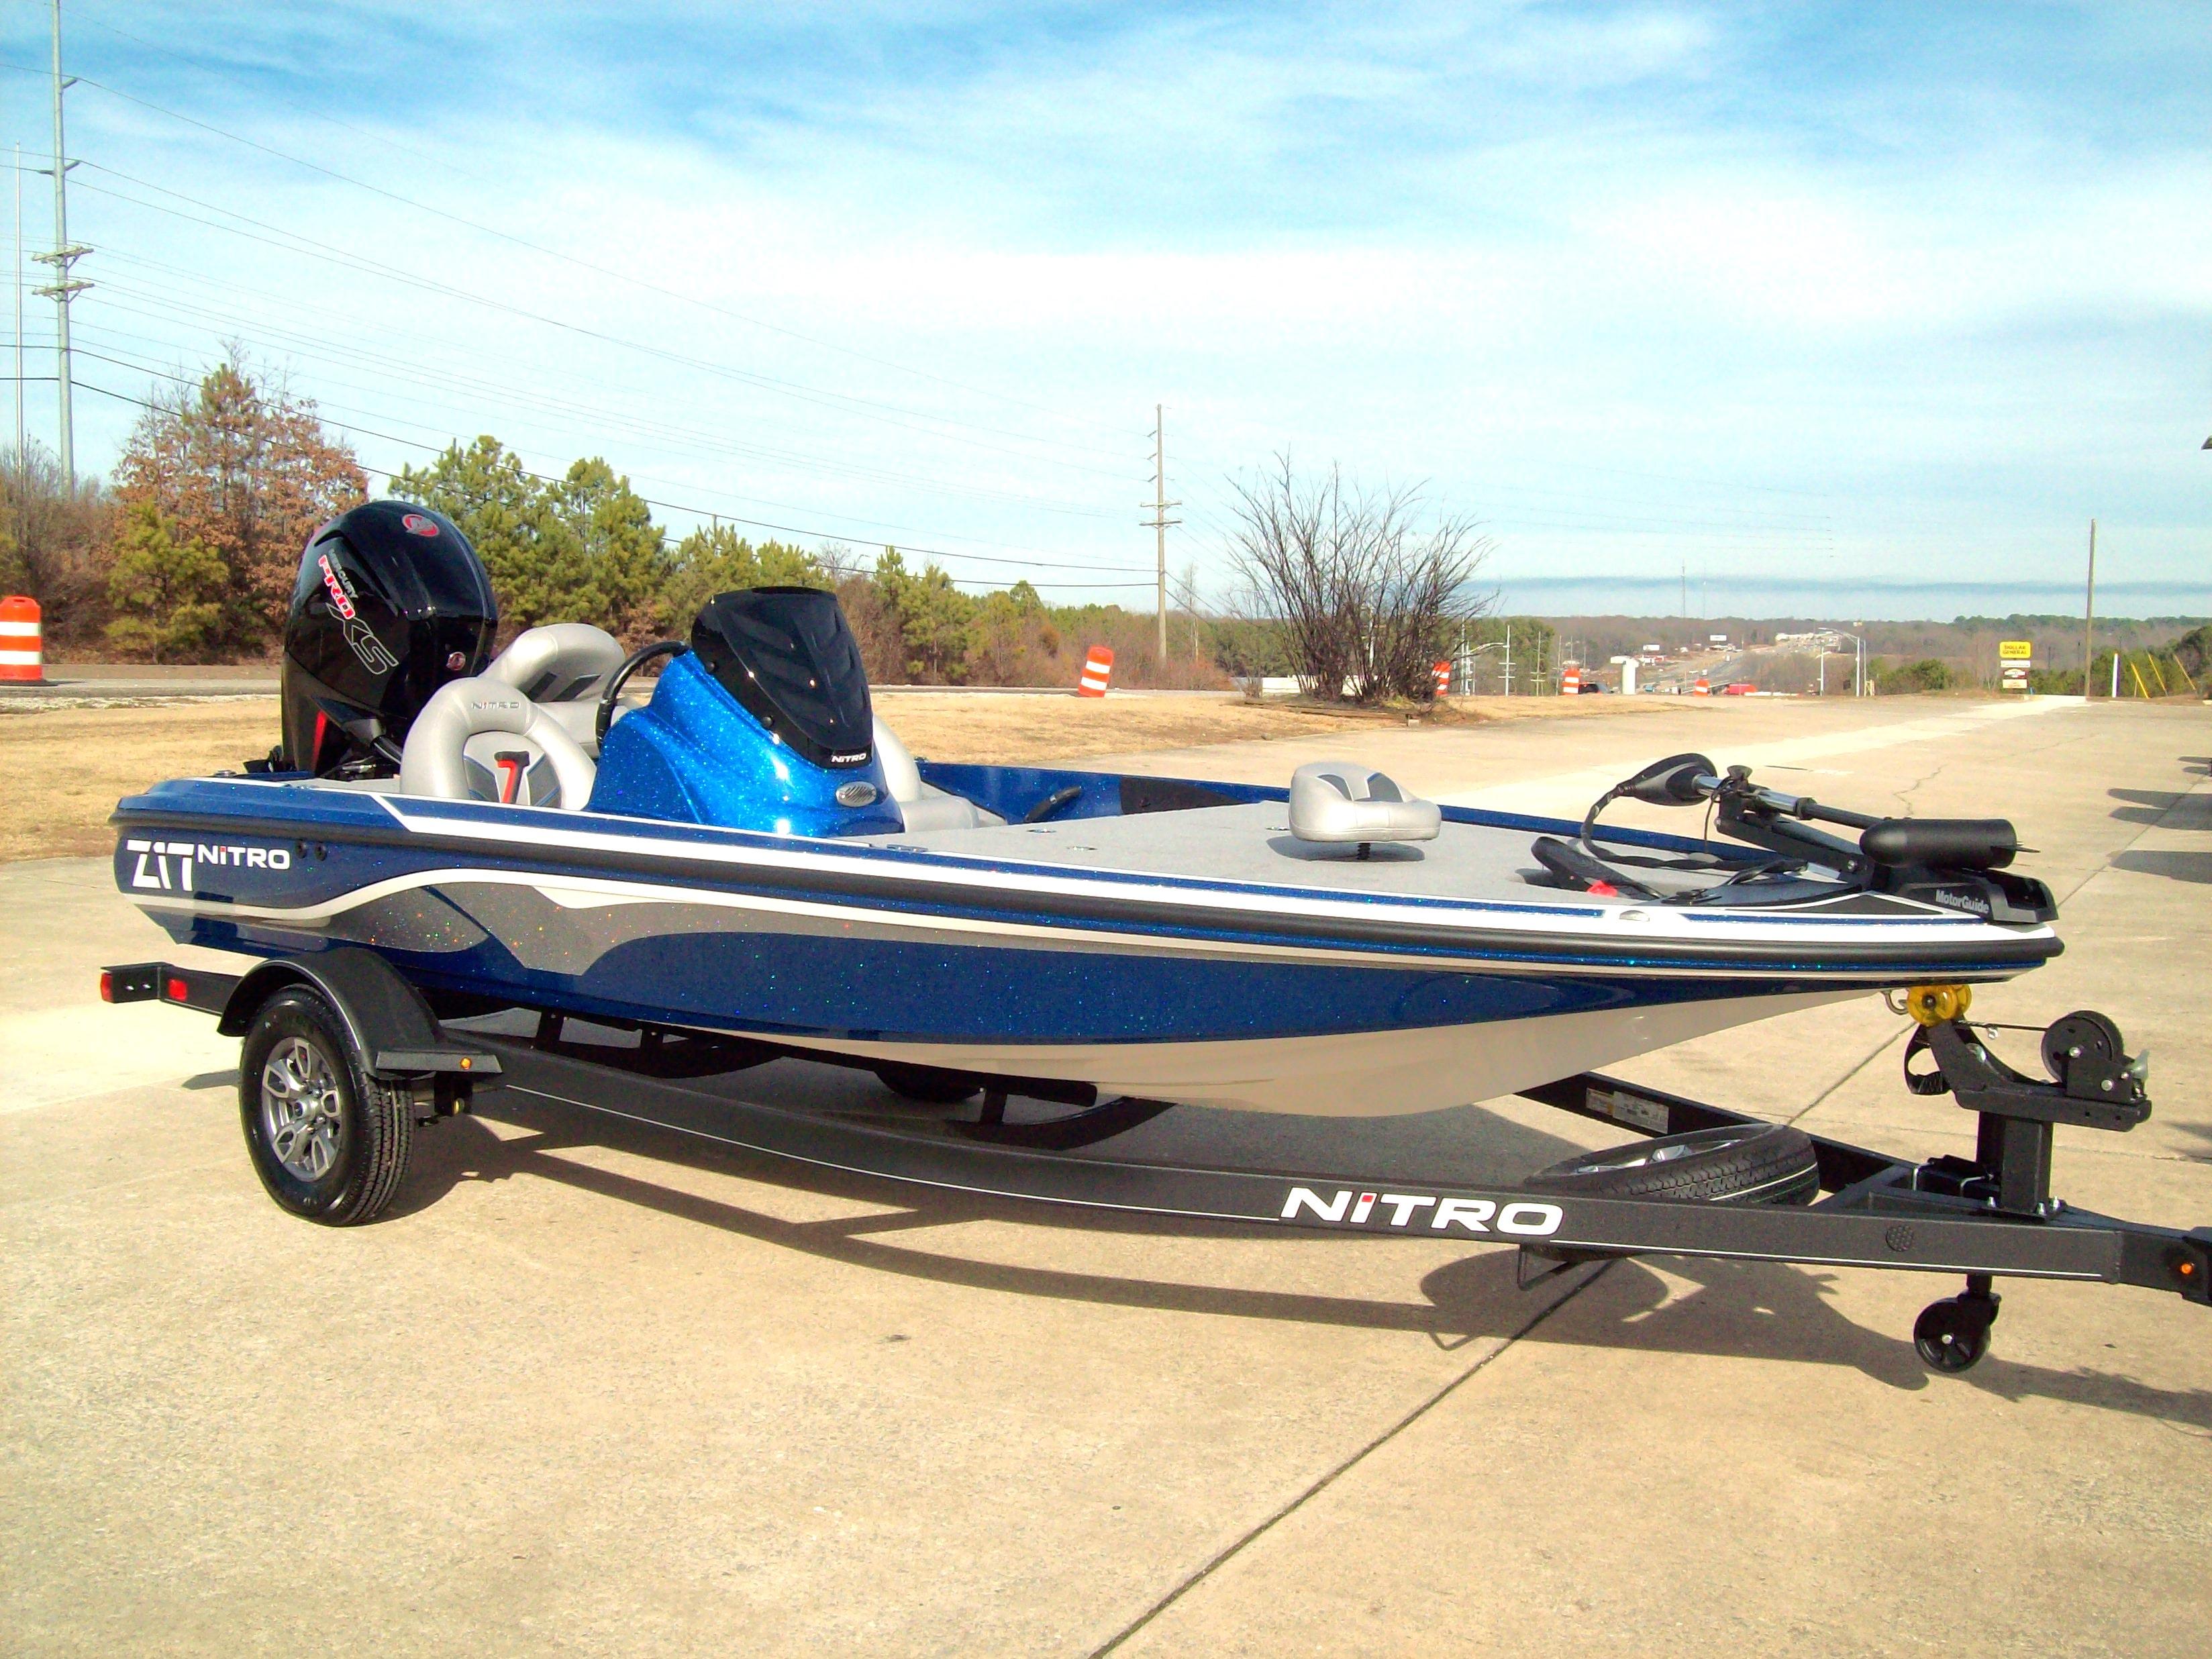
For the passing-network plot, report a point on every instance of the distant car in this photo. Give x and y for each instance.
(1741, 688)
(1594, 688)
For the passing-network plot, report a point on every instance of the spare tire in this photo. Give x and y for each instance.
(1742, 1163)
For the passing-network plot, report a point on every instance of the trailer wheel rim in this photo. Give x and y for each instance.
(301, 1108)
(1637, 1158)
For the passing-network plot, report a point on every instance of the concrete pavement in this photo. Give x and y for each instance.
(598, 1390)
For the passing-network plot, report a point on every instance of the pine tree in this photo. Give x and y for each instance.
(718, 560)
(167, 591)
(627, 551)
(539, 567)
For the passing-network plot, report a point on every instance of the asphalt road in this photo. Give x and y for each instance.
(591, 1389)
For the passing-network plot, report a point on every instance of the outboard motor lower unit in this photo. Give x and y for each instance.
(390, 604)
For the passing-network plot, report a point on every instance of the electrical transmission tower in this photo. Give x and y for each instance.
(1159, 521)
(66, 285)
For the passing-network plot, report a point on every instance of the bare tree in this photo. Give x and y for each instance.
(1366, 595)
(52, 538)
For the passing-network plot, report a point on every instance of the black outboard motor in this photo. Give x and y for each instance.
(390, 604)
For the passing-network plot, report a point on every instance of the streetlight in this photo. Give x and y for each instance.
(1466, 662)
(1858, 665)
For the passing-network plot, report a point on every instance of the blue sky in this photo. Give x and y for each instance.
(1840, 310)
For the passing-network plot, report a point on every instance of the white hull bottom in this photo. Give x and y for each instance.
(1360, 1074)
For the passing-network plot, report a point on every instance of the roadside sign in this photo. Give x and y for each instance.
(2015, 650)
(2014, 659)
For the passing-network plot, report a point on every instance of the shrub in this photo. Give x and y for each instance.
(1928, 674)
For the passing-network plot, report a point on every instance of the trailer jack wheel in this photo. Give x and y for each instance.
(1952, 1334)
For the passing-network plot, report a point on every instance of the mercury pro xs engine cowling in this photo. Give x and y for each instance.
(390, 604)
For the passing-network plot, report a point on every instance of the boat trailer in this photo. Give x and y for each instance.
(1985, 1217)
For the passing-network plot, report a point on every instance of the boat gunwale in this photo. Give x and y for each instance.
(1059, 899)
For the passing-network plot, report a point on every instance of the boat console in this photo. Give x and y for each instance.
(765, 724)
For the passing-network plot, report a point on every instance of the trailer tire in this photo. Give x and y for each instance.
(329, 1141)
(1744, 1163)
(927, 1083)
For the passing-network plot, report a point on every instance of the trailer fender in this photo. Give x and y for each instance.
(388, 1022)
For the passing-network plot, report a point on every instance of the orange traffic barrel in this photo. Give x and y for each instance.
(1097, 668)
(1570, 681)
(22, 645)
(1705, 688)
(1443, 679)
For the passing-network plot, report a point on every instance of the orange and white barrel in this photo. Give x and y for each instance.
(1443, 679)
(1705, 688)
(22, 641)
(1570, 681)
(1097, 668)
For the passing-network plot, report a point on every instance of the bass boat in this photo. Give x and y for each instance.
(750, 855)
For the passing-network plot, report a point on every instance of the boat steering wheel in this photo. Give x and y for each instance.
(636, 660)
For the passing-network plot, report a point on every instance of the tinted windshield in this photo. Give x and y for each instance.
(786, 654)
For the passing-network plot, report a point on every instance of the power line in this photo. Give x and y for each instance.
(1811, 523)
(898, 531)
(865, 409)
(612, 274)
(316, 348)
(144, 367)
(289, 103)
(669, 506)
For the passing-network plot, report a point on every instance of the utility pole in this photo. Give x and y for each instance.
(2089, 616)
(1159, 520)
(19, 305)
(65, 254)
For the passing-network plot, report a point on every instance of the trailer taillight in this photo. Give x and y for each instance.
(177, 990)
(106, 986)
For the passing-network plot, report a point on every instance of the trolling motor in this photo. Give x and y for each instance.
(1956, 863)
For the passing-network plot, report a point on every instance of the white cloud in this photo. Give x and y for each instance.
(1617, 278)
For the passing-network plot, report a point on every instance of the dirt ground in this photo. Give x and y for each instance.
(66, 768)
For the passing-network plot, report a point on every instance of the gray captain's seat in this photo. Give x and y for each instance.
(481, 739)
(523, 731)
(562, 667)
(922, 806)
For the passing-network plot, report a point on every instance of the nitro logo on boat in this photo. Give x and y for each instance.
(415, 525)
(1408, 1212)
(167, 866)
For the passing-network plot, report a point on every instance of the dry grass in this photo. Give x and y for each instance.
(64, 769)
